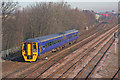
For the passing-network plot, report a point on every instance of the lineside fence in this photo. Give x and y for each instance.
(10, 52)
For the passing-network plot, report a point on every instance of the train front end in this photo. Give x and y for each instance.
(30, 51)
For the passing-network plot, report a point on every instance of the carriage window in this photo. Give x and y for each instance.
(50, 43)
(54, 42)
(25, 46)
(75, 34)
(60, 40)
(34, 46)
(64, 37)
(45, 44)
(67, 37)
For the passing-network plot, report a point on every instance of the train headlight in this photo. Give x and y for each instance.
(24, 54)
(23, 50)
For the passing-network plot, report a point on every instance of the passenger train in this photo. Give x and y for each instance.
(32, 48)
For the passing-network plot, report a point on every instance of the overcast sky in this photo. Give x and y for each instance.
(68, 0)
(96, 5)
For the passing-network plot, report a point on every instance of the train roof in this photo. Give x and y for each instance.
(52, 35)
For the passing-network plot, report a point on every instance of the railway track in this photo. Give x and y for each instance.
(79, 60)
(40, 71)
(52, 59)
(66, 66)
(116, 74)
(97, 63)
(80, 75)
(100, 60)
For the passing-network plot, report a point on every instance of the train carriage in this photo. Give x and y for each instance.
(34, 47)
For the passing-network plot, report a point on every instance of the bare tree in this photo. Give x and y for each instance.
(8, 7)
(41, 19)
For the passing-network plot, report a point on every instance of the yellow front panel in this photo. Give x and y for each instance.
(29, 49)
(35, 52)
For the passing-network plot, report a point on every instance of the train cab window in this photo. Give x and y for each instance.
(34, 46)
(25, 46)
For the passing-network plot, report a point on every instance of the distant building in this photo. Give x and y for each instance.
(97, 16)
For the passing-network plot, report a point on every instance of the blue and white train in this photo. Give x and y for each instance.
(32, 48)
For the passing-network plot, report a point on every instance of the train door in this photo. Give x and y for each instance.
(40, 49)
(64, 39)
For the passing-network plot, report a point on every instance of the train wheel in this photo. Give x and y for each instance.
(63, 46)
(54, 50)
(69, 43)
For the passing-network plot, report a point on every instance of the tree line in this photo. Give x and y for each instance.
(41, 19)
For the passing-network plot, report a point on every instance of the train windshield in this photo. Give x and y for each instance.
(24, 46)
(34, 46)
